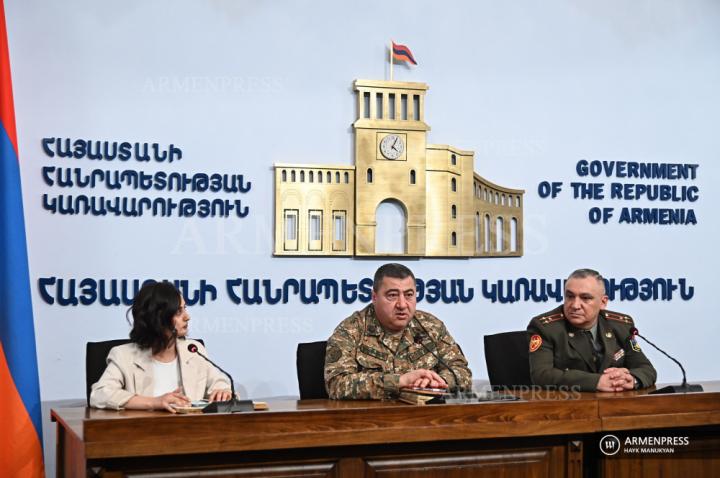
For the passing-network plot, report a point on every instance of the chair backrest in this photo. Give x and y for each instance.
(311, 370)
(507, 359)
(96, 361)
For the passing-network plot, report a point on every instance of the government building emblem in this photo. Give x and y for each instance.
(403, 196)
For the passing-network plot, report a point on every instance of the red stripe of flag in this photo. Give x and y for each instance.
(402, 53)
(7, 115)
(20, 415)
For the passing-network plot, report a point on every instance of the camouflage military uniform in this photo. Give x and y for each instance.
(561, 354)
(363, 361)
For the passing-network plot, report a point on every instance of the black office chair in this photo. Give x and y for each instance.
(507, 359)
(96, 361)
(311, 370)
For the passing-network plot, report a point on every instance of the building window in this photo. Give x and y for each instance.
(453, 160)
(513, 235)
(292, 175)
(337, 177)
(412, 176)
(478, 230)
(453, 239)
(499, 234)
(312, 177)
(379, 106)
(486, 233)
(453, 185)
(290, 224)
(347, 178)
(302, 176)
(453, 212)
(339, 227)
(314, 230)
(284, 176)
(416, 107)
(369, 175)
(366, 104)
(329, 177)
(391, 105)
(320, 175)
(403, 107)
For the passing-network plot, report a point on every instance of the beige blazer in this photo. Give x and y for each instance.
(129, 372)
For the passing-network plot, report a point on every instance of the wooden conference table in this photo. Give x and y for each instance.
(552, 434)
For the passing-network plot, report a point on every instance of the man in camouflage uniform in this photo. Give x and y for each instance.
(582, 344)
(389, 345)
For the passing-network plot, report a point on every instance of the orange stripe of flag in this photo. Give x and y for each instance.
(20, 450)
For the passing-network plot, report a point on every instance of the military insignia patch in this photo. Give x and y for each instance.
(535, 342)
(415, 356)
(333, 354)
(549, 319)
(635, 345)
(610, 315)
(618, 355)
(372, 352)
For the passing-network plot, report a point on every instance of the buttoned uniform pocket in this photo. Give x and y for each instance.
(572, 360)
(369, 363)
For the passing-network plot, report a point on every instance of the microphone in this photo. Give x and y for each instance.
(460, 392)
(419, 340)
(230, 406)
(682, 388)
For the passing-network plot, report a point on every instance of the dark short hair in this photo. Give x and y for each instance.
(396, 271)
(153, 310)
(584, 273)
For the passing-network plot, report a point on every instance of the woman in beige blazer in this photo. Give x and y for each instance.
(158, 345)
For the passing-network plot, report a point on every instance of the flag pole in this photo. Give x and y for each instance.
(391, 60)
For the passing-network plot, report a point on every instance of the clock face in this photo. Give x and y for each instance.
(392, 146)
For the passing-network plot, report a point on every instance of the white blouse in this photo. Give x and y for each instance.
(166, 376)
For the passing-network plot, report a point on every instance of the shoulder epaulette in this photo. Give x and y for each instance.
(549, 319)
(618, 317)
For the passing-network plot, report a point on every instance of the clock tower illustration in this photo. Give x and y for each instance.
(443, 207)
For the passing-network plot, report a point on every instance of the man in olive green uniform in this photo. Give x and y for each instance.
(582, 344)
(390, 345)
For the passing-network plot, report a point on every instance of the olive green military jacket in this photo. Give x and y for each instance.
(561, 354)
(362, 361)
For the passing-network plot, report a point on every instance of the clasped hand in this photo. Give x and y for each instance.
(422, 378)
(616, 379)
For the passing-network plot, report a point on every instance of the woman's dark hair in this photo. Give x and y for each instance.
(153, 310)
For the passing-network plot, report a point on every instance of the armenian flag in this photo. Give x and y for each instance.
(20, 417)
(402, 53)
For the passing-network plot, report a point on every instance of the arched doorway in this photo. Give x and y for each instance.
(391, 229)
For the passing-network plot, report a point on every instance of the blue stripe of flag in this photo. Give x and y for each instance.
(16, 318)
(401, 52)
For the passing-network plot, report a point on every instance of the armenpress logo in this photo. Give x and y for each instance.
(609, 445)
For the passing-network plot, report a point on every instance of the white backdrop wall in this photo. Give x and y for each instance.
(531, 87)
